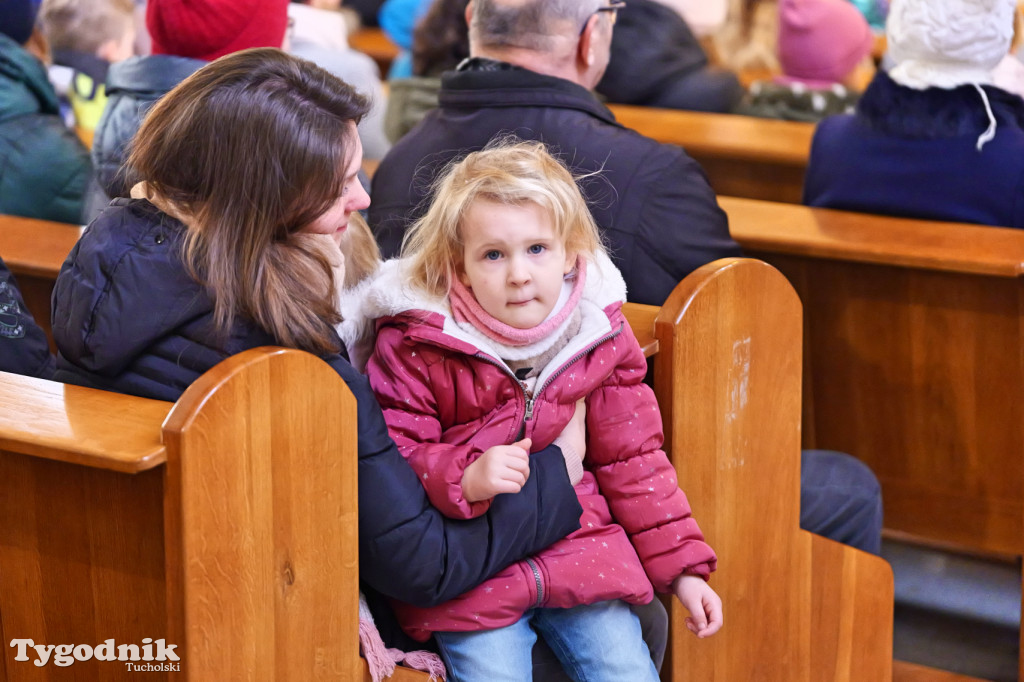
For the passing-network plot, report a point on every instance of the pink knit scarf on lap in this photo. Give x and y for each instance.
(465, 308)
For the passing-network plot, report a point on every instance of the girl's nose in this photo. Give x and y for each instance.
(359, 199)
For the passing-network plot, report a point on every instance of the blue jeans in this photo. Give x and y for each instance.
(840, 499)
(595, 643)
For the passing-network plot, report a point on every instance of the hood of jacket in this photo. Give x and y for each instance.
(24, 88)
(388, 294)
(132, 87)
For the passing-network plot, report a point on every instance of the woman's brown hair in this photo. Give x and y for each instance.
(249, 150)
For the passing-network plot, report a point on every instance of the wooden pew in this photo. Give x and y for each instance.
(743, 156)
(34, 250)
(374, 43)
(727, 375)
(117, 497)
(224, 524)
(914, 360)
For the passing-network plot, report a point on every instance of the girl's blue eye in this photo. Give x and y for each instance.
(536, 249)
(492, 255)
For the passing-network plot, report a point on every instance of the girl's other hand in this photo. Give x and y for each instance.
(501, 469)
(703, 603)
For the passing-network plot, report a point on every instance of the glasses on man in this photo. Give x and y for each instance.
(613, 6)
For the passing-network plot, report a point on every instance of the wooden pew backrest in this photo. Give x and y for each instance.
(741, 155)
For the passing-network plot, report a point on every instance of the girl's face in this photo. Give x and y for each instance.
(512, 261)
(334, 221)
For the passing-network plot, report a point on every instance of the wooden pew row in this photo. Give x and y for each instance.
(224, 524)
(742, 156)
(374, 43)
(914, 360)
(115, 527)
(34, 250)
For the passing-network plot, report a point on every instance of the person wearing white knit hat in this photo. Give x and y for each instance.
(932, 138)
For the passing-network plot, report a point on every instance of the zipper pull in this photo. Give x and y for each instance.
(529, 409)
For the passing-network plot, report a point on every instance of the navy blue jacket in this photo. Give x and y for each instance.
(23, 345)
(130, 319)
(913, 153)
(652, 202)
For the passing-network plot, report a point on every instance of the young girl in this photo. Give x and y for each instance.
(504, 313)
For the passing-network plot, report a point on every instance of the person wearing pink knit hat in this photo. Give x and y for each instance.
(823, 48)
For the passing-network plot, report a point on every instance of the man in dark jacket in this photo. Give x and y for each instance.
(652, 202)
(44, 169)
(23, 345)
(532, 65)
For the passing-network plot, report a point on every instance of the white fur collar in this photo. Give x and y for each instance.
(388, 293)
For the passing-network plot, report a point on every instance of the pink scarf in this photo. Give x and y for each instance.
(465, 308)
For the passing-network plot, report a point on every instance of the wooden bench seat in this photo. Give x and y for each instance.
(742, 156)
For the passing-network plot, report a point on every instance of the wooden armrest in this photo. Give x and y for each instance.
(80, 425)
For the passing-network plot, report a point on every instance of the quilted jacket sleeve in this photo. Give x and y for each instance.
(635, 475)
(407, 384)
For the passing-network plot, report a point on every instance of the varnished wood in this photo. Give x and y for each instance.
(915, 360)
(741, 155)
(262, 520)
(727, 378)
(641, 319)
(241, 548)
(79, 425)
(374, 43)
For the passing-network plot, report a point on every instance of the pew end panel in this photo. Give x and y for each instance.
(238, 543)
(728, 379)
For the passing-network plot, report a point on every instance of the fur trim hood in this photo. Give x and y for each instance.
(388, 293)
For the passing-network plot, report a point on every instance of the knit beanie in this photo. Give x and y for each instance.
(822, 40)
(207, 29)
(17, 18)
(947, 43)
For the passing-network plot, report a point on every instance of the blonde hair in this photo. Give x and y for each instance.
(507, 172)
(85, 25)
(362, 255)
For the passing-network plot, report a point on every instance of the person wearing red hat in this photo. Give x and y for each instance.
(186, 35)
(44, 169)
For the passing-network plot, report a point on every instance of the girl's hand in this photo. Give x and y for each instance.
(704, 605)
(501, 469)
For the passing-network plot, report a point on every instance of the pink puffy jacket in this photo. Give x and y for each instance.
(447, 399)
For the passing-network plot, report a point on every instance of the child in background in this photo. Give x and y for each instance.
(503, 314)
(86, 37)
(824, 51)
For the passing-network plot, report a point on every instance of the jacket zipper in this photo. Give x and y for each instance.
(537, 580)
(530, 397)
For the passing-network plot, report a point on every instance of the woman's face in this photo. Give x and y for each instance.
(334, 221)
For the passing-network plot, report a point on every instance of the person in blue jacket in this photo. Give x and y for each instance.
(23, 345)
(247, 182)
